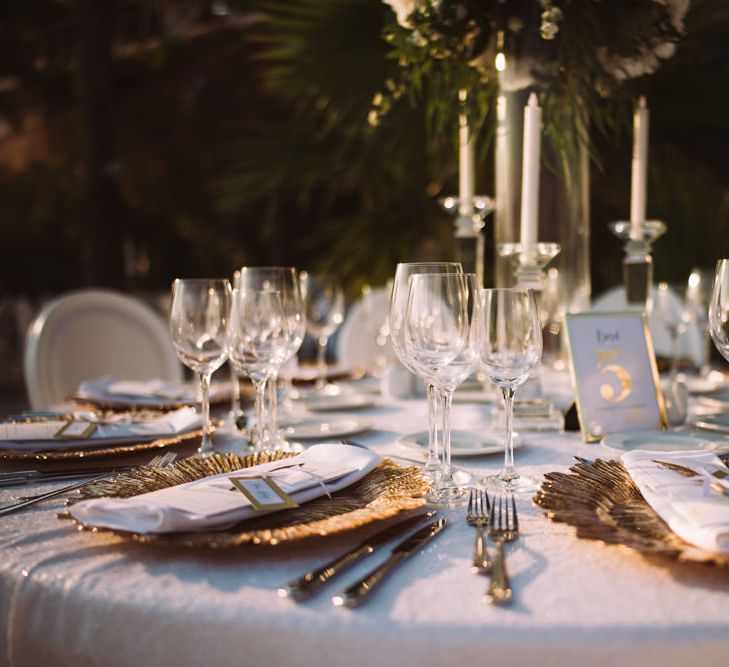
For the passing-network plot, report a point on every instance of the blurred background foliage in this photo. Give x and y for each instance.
(228, 133)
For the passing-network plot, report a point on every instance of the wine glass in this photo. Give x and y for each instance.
(258, 343)
(512, 347)
(698, 296)
(396, 315)
(442, 335)
(673, 312)
(199, 316)
(719, 309)
(285, 280)
(324, 300)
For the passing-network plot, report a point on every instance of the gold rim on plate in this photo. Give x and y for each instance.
(55, 456)
(603, 503)
(385, 491)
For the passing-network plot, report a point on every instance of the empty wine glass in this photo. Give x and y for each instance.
(396, 315)
(674, 313)
(199, 316)
(698, 296)
(443, 332)
(512, 347)
(258, 343)
(324, 301)
(719, 309)
(285, 280)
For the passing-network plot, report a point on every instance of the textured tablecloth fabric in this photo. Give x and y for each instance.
(82, 599)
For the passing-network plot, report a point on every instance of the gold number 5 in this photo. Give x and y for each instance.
(607, 391)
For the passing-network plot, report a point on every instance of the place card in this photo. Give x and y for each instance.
(76, 430)
(614, 373)
(263, 493)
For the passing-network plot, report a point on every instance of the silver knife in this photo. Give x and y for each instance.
(357, 593)
(10, 509)
(304, 586)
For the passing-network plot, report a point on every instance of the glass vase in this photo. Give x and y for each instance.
(564, 205)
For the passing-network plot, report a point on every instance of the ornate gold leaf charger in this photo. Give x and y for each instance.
(603, 503)
(384, 492)
(87, 453)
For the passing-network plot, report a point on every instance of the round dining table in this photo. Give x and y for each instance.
(80, 598)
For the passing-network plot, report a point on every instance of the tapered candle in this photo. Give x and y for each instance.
(639, 170)
(530, 171)
(466, 163)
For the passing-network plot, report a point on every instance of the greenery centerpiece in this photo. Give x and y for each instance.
(576, 55)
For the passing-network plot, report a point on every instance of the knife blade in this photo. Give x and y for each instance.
(359, 591)
(306, 585)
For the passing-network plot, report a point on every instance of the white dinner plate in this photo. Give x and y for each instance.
(717, 422)
(664, 441)
(718, 399)
(702, 385)
(340, 402)
(308, 430)
(463, 443)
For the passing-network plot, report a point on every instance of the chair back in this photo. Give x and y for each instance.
(93, 333)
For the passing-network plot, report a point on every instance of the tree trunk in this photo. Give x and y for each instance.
(103, 211)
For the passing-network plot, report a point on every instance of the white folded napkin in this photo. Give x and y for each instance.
(214, 504)
(39, 436)
(684, 503)
(147, 392)
(150, 388)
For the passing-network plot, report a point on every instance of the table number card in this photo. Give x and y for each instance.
(614, 374)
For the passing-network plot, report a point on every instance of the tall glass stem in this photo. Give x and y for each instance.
(446, 475)
(509, 471)
(273, 410)
(674, 357)
(321, 362)
(260, 430)
(235, 411)
(432, 465)
(709, 345)
(206, 445)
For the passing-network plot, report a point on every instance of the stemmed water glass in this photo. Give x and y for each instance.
(199, 316)
(324, 300)
(675, 314)
(442, 334)
(719, 309)
(396, 317)
(512, 347)
(258, 343)
(285, 280)
(698, 297)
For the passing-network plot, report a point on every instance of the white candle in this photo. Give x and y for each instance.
(639, 171)
(530, 171)
(466, 163)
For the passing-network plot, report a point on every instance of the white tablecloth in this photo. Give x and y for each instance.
(70, 598)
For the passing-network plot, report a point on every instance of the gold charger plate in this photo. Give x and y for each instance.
(385, 491)
(603, 503)
(85, 453)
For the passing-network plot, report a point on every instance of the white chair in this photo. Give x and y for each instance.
(690, 344)
(90, 334)
(357, 341)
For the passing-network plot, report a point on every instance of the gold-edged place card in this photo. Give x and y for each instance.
(614, 373)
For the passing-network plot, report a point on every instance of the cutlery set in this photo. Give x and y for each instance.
(503, 526)
(89, 477)
(498, 518)
(303, 587)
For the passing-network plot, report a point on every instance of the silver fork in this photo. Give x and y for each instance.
(506, 529)
(159, 461)
(476, 516)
